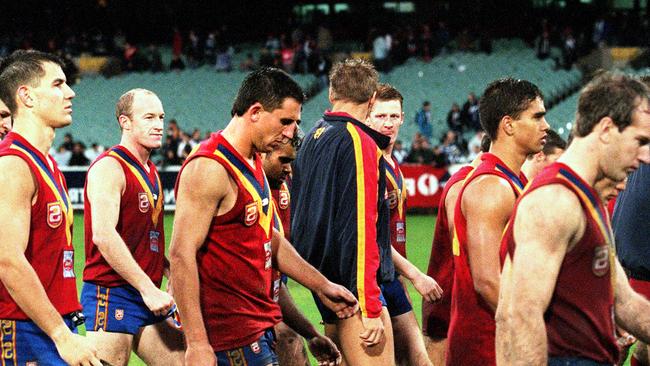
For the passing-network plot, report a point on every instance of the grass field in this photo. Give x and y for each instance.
(419, 236)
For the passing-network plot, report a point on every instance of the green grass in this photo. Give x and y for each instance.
(420, 233)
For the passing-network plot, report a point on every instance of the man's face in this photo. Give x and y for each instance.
(530, 128)
(629, 148)
(277, 127)
(609, 189)
(146, 123)
(5, 120)
(386, 117)
(277, 164)
(52, 97)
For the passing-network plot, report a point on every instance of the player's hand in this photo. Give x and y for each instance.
(427, 287)
(324, 350)
(373, 332)
(75, 350)
(338, 299)
(625, 341)
(200, 354)
(159, 302)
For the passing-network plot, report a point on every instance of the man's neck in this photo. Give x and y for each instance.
(509, 154)
(37, 134)
(140, 152)
(357, 111)
(583, 158)
(239, 136)
(388, 153)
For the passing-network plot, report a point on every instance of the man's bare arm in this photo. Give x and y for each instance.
(631, 309)
(105, 185)
(487, 204)
(17, 275)
(202, 186)
(543, 232)
(425, 285)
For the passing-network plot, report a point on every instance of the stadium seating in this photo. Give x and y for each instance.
(201, 98)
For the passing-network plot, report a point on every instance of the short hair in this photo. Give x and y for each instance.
(505, 97)
(23, 67)
(387, 92)
(485, 143)
(613, 95)
(124, 105)
(269, 87)
(353, 80)
(553, 141)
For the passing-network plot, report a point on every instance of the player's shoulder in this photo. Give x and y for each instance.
(488, 186)
(204, 167)
(554, 203)
(21, 175)
(106, 168)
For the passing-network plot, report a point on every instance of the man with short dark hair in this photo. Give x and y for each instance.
(125, 243)
(562, 287)
(553, 148)
(340, 214)
(224, 246)
(39, 310)
(512, 114)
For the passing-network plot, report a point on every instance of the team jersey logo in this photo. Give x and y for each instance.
(283, 203)
(319, 132)
(255, 347)
(400, 230)
(54, 214)
(600, 264)
(143, 202)
(68, 264)
(250, 214)
(119, 314)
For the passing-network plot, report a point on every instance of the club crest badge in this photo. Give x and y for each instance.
(119, 314)
(68, 264)
(250, 214)
(600, 264)
(283, 203)
(54, 214)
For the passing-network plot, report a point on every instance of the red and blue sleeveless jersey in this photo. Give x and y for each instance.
(435, 316)
(49, 249)
(472, 326)
(140, 222)
(281, 223)
(580, 317)
(396, 193)
(235, 262)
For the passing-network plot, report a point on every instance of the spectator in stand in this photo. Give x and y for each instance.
(399, 152)
(421, 152)
(62, 156)
(423, 120)
(380, 52)
(129, 59)
(78, 158)
(177, 64)
(224, 60)
(474, 145)
(324, 40)
(185, 146)
(442, 38)
(450, 148)
(193, 52)
(248, 64)
(68, 143)
(177, 43)
(154, 58)
(454, 120)
(470, 113)
(170, 158)
(272, 43)
(210, 48)
(266, 58)
(543, 45)
(196, 137)
(568, 49)
(94, 151)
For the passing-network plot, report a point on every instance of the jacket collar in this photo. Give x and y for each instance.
(380, 139)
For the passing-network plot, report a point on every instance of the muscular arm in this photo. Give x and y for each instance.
(632, 310)
(543, 232)
(17, 274)
(487, 204)
(105, 185)
(292, 316)
(201, 188)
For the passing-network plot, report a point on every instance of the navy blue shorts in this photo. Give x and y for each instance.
(328, 316)
(573, 361)
(258, 353)
(117, 309)
(396, 299)
(24, 343)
